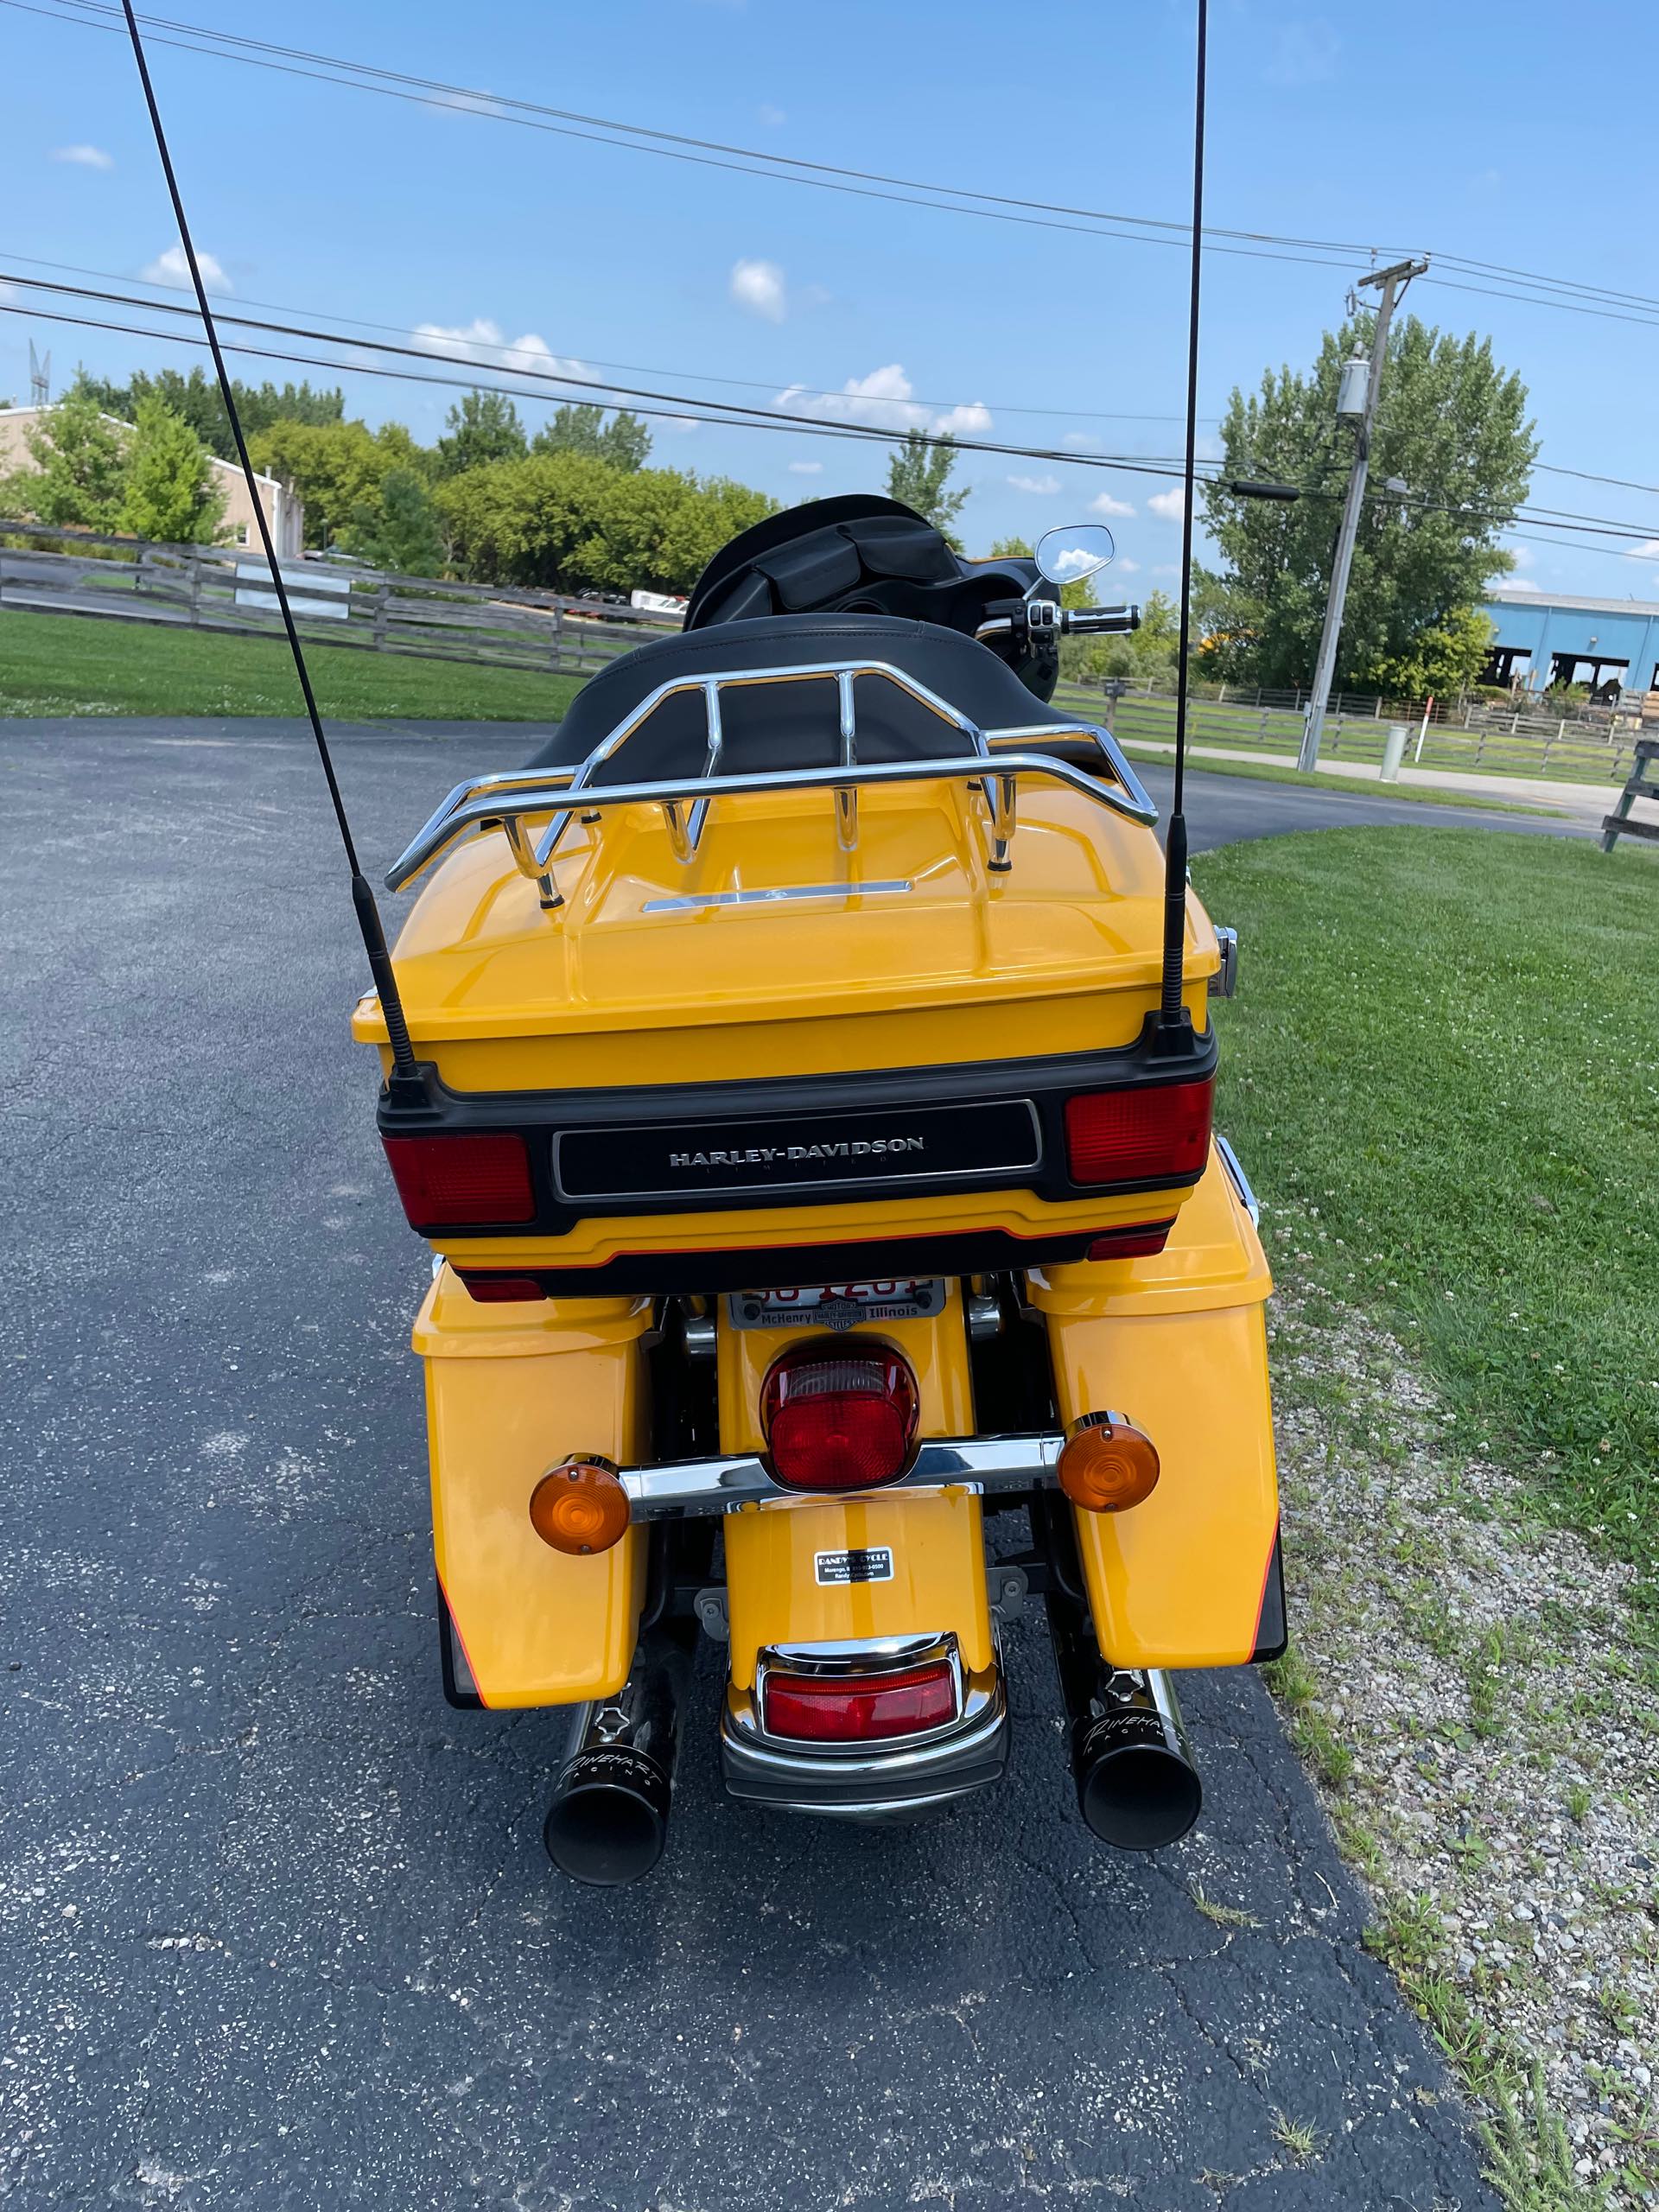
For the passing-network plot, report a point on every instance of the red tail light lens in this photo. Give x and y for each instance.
(839, 1420)
(1137, 1244)
(491, 1289)
(1142, 1134)
(859, 1708)
(450, 1181)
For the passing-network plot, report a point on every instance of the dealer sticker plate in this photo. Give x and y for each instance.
(838, 1304)
(869, 1565)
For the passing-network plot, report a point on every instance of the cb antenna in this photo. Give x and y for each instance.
(1174, 1023)
(368, 914)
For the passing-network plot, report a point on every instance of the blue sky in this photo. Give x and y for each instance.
(1475, 129)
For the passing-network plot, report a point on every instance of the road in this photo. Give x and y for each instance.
(276, 1926)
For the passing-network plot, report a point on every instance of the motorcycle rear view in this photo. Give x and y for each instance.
(834, 1255)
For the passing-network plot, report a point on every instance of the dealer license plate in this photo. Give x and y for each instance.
(838, 1304)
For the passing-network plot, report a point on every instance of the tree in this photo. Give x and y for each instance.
(1442, 661)
(196, 398)
(483, 427)
(170, 492)
(400, 528)
(334, 467)
(919, 473)
(1452, 423)
(623, 442)
(569, 523)
(80, 461)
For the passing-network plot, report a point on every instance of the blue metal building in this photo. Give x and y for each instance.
(1545, 639)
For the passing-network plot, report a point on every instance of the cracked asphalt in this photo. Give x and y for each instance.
(276, 1926)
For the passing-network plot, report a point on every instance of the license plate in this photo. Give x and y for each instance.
(836, 1305)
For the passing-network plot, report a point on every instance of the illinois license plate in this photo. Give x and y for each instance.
(838, 1304)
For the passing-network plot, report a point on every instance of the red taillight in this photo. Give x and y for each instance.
(859, 1708)
(491, 1289)
(446, 1181)
(1137, 1244)
(839, 1419)
(1140, 1136)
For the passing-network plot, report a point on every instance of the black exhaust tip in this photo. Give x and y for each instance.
(1136, 1787)
(608, 1822)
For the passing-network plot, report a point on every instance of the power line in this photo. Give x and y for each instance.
(753, 419)
(735, 418)
(632, 368)
(1544, 290)
(501, 111)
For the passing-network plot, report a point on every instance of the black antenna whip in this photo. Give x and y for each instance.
(368, 914)
(1172, 1013)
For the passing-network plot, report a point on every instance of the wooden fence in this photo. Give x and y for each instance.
(1579, 754)
(228, 588)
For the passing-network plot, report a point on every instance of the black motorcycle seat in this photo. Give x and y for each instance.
(794, 725)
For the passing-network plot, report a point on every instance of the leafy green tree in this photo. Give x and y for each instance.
(483, 427)
(568, 522)
(1452, 424)
(624, 441)
(1442, 661)
(170, 492)
(334, 467)
(196, 398)
(919, 475)
(400, 528)
(80, 464)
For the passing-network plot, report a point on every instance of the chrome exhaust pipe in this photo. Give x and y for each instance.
(1137, 1786)
(609, 1820)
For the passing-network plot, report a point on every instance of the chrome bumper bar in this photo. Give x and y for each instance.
(981, 1464)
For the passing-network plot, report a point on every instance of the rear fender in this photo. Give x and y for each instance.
(912, 1564)
(1178, 1342)
(511, 1390)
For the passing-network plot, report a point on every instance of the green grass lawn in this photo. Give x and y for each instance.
(1267, 772)
(1443, 1065)
(69, 664)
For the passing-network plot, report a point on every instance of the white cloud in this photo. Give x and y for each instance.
(1171, 504)
(806, 468)
(883, 401)
(1128, 568)
(1080, 442)
(1303, 54)
(1104, 504)
(1167, 568)
(773, 118)
(172, 268)
(759, 287)
(86, 157)
(1647, 550)
(482, 340)
(1041, 488)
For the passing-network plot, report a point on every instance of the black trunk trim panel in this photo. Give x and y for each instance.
(998, 1102)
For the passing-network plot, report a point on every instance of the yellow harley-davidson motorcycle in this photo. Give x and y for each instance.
(812, 1122)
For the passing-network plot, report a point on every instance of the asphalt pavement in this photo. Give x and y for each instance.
(276, 1925)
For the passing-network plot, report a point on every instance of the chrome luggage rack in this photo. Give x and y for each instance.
(508, 802)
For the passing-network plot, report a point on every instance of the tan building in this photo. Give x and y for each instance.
(283, 512)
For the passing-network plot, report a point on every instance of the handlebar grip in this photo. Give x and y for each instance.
(1100, 621)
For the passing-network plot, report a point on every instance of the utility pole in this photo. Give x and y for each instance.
(1392, 283)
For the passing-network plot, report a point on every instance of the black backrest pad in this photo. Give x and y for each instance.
(794, 725)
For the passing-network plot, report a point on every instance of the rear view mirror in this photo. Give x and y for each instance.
(1077, 551)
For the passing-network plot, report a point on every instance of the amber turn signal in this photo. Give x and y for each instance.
(580, 1507)
(1108, 1464)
